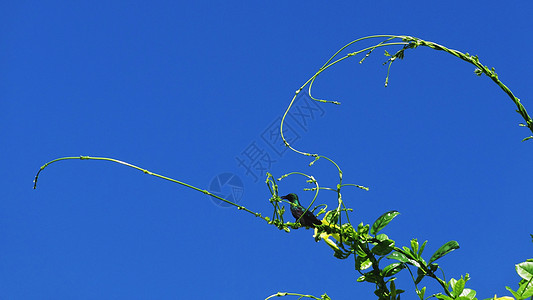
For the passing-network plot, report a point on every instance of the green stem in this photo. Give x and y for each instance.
(240, 207)
(426, 271)
(283, 294)
(375, 266)
(473, 59)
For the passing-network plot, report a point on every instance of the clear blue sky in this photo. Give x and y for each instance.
(183, 88)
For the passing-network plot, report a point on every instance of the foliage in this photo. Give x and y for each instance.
(371, 251)
(377, 257)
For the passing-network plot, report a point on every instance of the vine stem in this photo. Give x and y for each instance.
(283, 294)
(481, 69)
(240, 207)
(407, 42)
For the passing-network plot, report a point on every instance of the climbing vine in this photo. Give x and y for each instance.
(377, 257)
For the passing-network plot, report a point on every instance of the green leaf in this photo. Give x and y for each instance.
(414, 246)
(383, 247)
(525, 288)
(469, 294)
(458, 287)
(528, 292)
(515, 294)
(382, 237)
(452, 282)
(412, 259)
(372, 277)
(362, 229)
(340, 255)
(403, 258)
(331, 216)
(383, 220)
(398, 256)
(393, 290)
(392, 269)
(362, 263)
(350, 233)
(422, 261)
(421, 293)
(359, 249)
(382, 293)
(420, 275)
(398, 292)
(525, 270)
(443, 250)
(325, 297)
(422, 248)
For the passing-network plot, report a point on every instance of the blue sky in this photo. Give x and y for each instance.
(183, 89)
